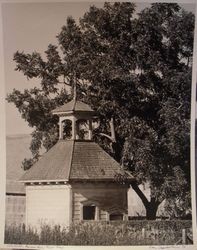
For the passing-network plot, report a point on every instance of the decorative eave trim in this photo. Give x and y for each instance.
(87, 112)
(62, 112)
(44, 181)
(111, 180)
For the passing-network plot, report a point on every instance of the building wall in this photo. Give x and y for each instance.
(109, 198)
(15, 209)
(15, 203)
(48, 204)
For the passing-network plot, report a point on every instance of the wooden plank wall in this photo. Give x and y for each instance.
(108, 198)
(15, 210)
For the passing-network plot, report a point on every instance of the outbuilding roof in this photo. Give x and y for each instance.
(73, 160)
(73, 106)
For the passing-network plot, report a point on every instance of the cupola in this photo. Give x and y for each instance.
(75, 120)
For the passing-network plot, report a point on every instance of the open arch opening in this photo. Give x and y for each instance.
(82, 129)
(66, 129)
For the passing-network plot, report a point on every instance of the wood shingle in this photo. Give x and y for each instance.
(73, 160)
(73, 106)
(91, 162)
(53, 165)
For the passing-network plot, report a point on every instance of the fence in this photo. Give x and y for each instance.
(185, 236)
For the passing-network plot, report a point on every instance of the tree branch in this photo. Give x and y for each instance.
(65, 83)
(113, 136)
(107, 136)
(140, 193)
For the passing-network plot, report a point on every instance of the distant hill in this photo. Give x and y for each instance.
(17, 148)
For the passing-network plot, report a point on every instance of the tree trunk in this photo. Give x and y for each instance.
(151, 211)
(150, 206)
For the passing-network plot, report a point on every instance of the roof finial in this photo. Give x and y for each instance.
(75, 91)
(74, 87)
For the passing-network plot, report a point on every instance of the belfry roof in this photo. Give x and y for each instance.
(71, 160)
(73, 106)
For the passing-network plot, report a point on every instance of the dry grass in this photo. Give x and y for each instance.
(101, 233)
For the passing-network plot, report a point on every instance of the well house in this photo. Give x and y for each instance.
(75, 180)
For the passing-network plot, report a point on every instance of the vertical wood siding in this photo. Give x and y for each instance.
(15, 210)
(109, 199)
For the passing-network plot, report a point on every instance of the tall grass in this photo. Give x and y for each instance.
(101, 233)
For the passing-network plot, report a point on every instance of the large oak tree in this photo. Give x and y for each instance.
(135, 70)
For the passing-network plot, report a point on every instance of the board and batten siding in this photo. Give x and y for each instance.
(15, 209)
(48, 204)
(108, 198)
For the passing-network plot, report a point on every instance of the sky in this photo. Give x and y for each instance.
(31, 27)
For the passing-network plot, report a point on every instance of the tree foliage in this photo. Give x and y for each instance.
(133, 68)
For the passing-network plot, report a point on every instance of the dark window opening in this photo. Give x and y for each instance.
(116, 217)
(89, 212)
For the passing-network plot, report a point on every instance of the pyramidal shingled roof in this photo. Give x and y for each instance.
(74, 160)
(73, 106)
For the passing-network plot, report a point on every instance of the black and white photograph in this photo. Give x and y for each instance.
(98, 117)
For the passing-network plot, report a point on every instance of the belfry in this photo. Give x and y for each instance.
(75, 180)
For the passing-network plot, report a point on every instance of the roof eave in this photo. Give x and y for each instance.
(100, 180)
(43, 181)
(62, 112)
(75, 112)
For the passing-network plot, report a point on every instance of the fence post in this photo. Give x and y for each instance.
(143, 233)
(184, 236)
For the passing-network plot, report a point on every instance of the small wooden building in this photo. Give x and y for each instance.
(16, 150)
(75, 179)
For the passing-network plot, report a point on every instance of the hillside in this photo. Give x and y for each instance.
(17, 148)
